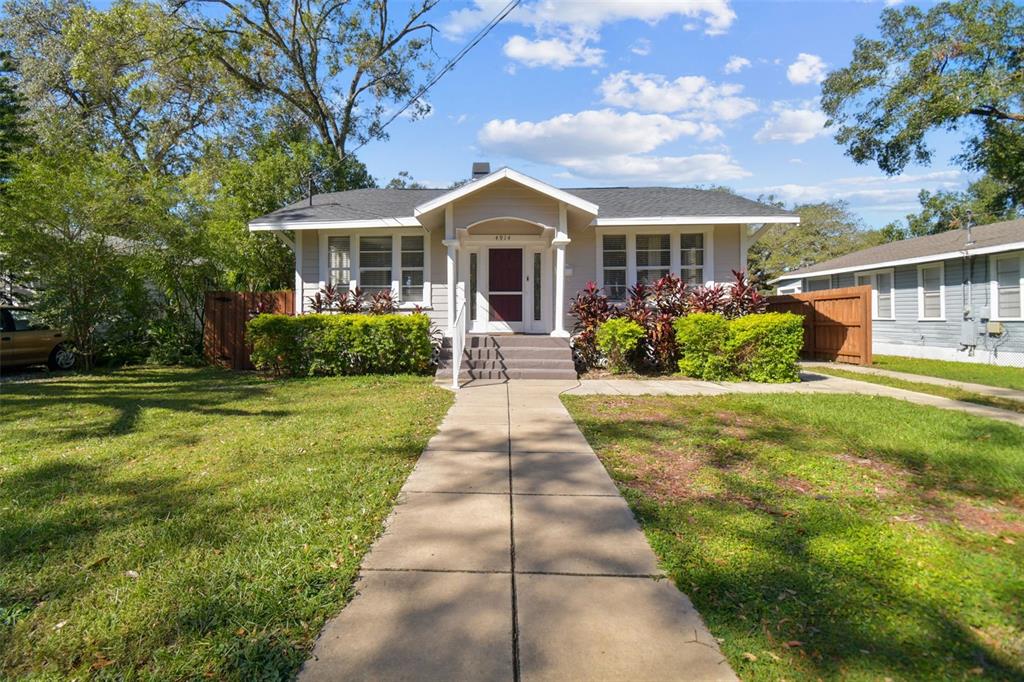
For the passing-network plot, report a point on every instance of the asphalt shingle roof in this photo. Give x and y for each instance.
(613, 202)
(994, 234)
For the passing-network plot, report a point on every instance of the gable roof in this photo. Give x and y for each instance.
(396, 207)
(1004, 236)
(506, 174)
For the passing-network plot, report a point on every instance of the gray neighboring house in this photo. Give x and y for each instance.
(958, 295)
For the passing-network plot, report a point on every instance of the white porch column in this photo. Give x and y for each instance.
(452, 244)
(559, 242)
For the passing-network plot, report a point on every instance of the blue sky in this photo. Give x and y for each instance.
(653, 93)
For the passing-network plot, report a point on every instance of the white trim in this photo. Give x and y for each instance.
(396, 261)
(407, 221)
(873, 274)
(1014, 246)
(694, 220)
(993, 278)
(942, 292)
(514, 176)
(981, 356)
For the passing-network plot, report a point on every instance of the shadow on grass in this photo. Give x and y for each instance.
(766, 566)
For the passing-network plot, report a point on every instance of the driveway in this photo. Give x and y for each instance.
(512, 556)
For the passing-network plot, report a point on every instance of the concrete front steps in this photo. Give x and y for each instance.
(500, 357)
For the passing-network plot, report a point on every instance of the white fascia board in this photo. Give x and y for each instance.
(695, 220)
(868, 267)
(514, 176)
(407, 221)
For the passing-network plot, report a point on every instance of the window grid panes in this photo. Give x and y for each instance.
(339, 261)
(691, 258)
(1008, 292)
(614, 266)
(412, 269)
(653, 257)
(374, 264)
(881, 283)
(931, 292)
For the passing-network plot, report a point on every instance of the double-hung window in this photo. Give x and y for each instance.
(931, 291)
(881, 293)
(613, 266)
(374, 264)
(691, 258)
(413, 259)
(653, 257)
(1008, 286)
(339, 261)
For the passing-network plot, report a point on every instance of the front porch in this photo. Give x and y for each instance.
(503, 357)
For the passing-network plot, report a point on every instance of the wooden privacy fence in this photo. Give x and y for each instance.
(837, 323)
(227, 312)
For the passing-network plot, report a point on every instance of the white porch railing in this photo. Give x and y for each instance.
(458, 344)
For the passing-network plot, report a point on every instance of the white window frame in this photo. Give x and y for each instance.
(674, 243)
(873, 274)
(649, 267)
(998, 314)
(396, 260)
(920, 292)
(814, 279)
(601, 266)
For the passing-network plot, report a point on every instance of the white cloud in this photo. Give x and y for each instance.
(792, 125)
(717, 15)
(870, 191)
(808, 68)
(553, 52)
(736, 64)
(642, 47)
(664, 169)
(692, 96)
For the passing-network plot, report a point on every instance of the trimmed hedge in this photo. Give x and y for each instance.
(308, 345)
(763, 347)
(617, 338)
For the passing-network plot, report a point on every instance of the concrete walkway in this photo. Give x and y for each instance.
(981, 389)
(809, 383)
(512, 556)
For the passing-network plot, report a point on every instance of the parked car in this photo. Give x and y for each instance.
(26, 341)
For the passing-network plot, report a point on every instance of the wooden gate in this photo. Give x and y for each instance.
(837, 323)
(227, 312)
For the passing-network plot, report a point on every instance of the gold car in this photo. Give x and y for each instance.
(25, 341)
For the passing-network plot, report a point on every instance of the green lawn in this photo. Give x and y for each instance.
(933, 389)
(975, 373)
(830, 536)
(192, 524)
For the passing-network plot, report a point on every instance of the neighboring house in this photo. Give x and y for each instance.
(512, 251)
(956, 295)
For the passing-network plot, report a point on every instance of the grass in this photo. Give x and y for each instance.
(192, 524)
(971, 372)
(830, 536)
(933, 389)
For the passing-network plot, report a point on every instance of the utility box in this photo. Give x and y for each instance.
(993, 328)
(969, 333)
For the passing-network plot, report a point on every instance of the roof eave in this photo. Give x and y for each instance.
(284, 224)
(696, 220)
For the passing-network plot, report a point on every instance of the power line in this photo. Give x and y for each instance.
(481, 34)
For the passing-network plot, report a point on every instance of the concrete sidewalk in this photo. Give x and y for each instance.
(981, 389)
(809, 383)
(512, 556)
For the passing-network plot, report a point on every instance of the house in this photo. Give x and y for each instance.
(512, 251)
(956, 295)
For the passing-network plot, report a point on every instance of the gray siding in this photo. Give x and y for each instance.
(908, 330)
(310, 240)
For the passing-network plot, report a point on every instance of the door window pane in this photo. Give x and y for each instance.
(472, 285)
(536, 287)
(614, 266)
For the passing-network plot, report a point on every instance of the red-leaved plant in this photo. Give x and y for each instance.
(743, 298)
(709, 298)
(590, 307)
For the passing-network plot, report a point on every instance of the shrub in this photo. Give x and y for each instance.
(590, 307)
(766, 347)
(762, 347)
(341, 344)
(617, 338)
(701, 338)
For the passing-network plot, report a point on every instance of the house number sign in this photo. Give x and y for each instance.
(502, 237)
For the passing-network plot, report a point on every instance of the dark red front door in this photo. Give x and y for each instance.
(505, 284)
